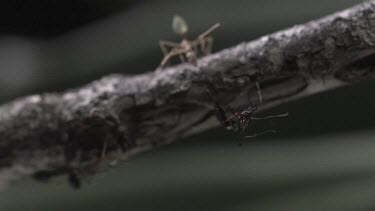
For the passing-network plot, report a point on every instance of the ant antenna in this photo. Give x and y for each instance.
(208, 31)
(262, 133)
(259, 94)
(270, 117)
(179, 25)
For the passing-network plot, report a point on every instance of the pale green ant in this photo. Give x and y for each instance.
(187, 50)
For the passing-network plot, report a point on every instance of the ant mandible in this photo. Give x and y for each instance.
(187, 50)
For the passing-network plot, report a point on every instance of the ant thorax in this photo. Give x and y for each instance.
(239, 121)
(185, 44)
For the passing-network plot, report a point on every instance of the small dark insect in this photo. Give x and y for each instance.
(239, 121)
(45, 175)
(187, 50)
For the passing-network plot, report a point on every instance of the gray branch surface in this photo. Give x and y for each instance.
(77, 131)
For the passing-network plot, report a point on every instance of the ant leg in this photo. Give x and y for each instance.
(208, 31)
(192, 56)
(202, 43)
(97, 163)
(222, 114)
(165, 60)
(270, 117)
(244, 127)
(104, 150)
(196, 56)
(259, 94)
(163, 46)
(224, 117)
(261, 133)
(169, 56)
(247, 125)
(208, 47)
(205, 45)
(182, 58)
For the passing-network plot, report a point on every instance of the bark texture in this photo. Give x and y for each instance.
(78, 130)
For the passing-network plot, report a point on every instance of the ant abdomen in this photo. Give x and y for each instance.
(179, 25)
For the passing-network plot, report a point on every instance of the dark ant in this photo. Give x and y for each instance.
(238, 121)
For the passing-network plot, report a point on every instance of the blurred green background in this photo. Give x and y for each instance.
(322, 158)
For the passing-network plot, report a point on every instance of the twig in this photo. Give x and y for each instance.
(127, 114)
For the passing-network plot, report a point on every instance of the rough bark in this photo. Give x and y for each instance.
(80, 129)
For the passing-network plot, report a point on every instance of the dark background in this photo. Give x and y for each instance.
(323, 157)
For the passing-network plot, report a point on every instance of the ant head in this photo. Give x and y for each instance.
(179, 25)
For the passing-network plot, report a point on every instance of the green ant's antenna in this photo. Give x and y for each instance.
(179, 25)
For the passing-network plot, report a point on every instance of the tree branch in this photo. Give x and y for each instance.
(116, 116)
